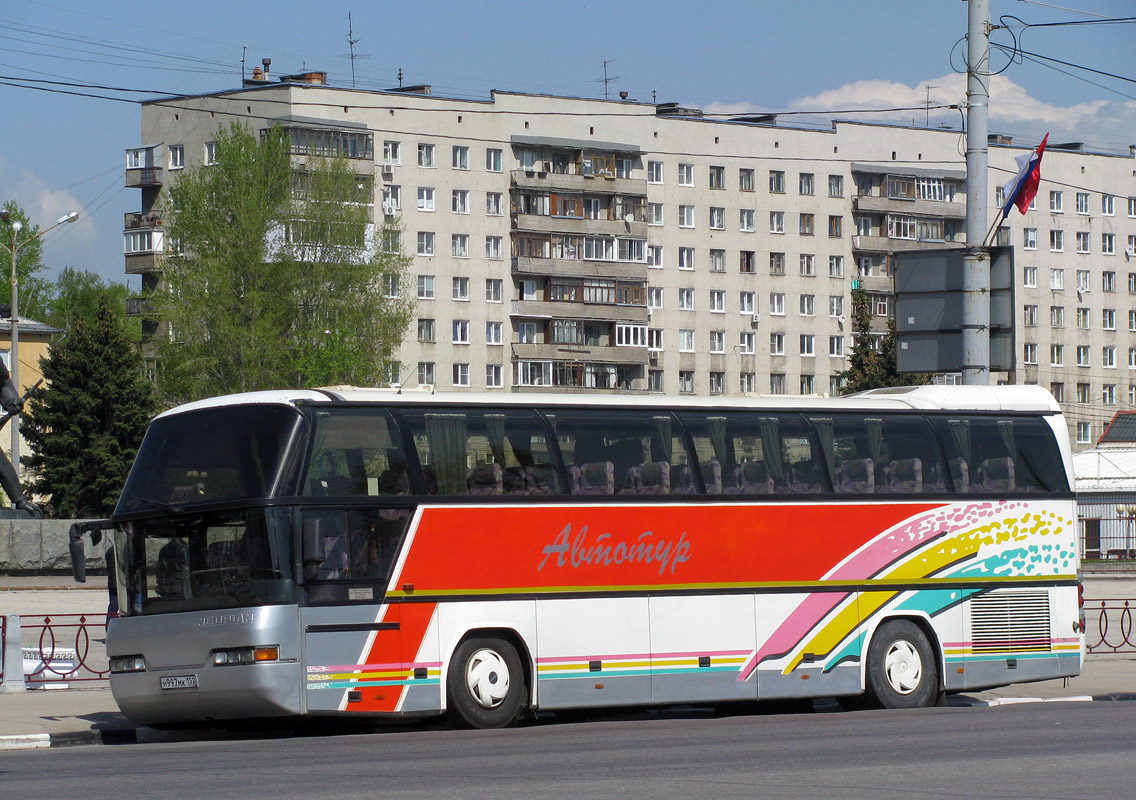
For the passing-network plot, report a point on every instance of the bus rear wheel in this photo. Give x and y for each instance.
(902, 669)
(486, 684)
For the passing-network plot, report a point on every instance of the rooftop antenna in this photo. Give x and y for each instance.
(654, 97)
(244, 53)
(400, 77)
(927, 117)
(607, 81)
(351, 54)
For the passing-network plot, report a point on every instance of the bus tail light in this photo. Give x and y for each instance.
(1080, 604)
(245, 655)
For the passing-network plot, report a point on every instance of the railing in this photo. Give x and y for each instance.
(57, 637)
(1108, 543)
(1108, 626)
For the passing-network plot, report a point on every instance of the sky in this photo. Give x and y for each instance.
(61, 152)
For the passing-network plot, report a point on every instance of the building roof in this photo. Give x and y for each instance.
(1120, 430)
(1105, 470)
(27, 325)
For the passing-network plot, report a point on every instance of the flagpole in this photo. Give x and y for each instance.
(976, 258)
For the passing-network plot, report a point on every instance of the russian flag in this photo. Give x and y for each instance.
(1022, 188)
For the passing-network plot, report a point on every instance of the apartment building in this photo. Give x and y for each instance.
(590, 245)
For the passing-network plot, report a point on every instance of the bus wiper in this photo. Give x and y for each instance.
(152, 503)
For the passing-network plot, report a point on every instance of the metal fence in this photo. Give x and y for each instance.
(65, 648)
(1108, 626)
(1108, 543)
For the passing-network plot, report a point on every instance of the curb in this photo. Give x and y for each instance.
(39, 741)
(959, 702)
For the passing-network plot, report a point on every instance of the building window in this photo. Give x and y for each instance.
(776, 263)
(746, 301)
(425, 154)
(425, 373)
(835, 185)
(425, 243)
(717, 341)
(140, 241)
(808, 265)
(460, 202)
(1108, 244)
(776, 344)
(686, 216)
(1083, 392)
(459, 245)
(717, 382)
(461, 157)
(686, 258)
(461, 289)
(1108, 394)
(655, 255)
(747, 261)
(1029, 316)
(492, 159)
(494, 376)
(1029, 238)
(654, 213)
(777, 304)
(685, 174)
(717, 219)
(808, 344)
(210, 153)
(425, 198)
(836, 305)
(808, 304)
(747, 382)
(1108, 281)
(685, 381)
(686, 340)
(1030, 354)
(654, 297)
(1108, 357)
(655, 339)
(493, 287)
(1083, 432)
(717, 260)
(1082, 241)
(1082, 202)
(177, 156)
(526, 333)
(1029, 277)
(461, 374)
(1082, 280)
(806, 224)
(717, 301)
(1108, 319)
(493, 204)
(776, 181)
(426, 330)
(425, 287)
(835, 226)
(836, 266)
(685, 299)
(493, 248)
(863, 226)
(745, 180)
(747, 343)
(717, 177)
(777, 383)
(836, 346)
(1057, 389)
(1056, 355)
(1108, 205)
(1057, 316)
(1055, 202)
(745, 220)
(1057, 279)
(776, 221)
(654, 172)
(808, 384)
(806, 183)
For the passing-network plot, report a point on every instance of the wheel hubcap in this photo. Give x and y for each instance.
(903, 666)
(487, 678)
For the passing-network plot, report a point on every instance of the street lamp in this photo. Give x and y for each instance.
(14, 248)
(1127, 510)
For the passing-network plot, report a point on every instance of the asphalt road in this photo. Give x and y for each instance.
(1037, 751)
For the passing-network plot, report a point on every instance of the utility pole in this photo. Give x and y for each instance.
(976, 258)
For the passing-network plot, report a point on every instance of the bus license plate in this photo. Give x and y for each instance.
(179, 682)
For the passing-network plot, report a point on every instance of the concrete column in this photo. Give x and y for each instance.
(13, 656)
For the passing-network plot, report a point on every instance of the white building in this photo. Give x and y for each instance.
(605, 245)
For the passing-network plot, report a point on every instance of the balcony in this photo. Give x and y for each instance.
(137, 307)
(919, 208)
(143, 263)
(542, 180)
(538, 223)
(578, 268)
(884, 244)
(143, 177)
(542, 309)
(595, 354)
(133, 220)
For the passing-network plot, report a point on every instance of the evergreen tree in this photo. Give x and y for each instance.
(872, 363)
(278, 280)
(86, 422)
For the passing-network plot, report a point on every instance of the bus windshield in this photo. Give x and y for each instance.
(214, 455)
(224, 559)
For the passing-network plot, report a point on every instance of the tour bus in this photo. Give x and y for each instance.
(395, 553)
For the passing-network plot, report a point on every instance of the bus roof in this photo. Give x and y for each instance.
(946, 398)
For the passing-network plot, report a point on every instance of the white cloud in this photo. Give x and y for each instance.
(70, 245)
(1102, 124)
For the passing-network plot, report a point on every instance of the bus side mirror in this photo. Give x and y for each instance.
(313, 550)
(78, 553)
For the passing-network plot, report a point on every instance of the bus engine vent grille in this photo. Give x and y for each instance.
(1015, 622)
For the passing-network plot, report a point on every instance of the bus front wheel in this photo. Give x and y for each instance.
(902, 669)
(485, 685)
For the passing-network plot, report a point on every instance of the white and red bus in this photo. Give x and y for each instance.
(370, 552)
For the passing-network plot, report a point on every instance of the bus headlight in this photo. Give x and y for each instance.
(128, 664)
(245, 655)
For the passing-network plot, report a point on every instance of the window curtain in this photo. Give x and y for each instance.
(1006, 431)
(446, 435)
(823, 427)
(723, 446)
(771, 448)
(665, 445)
(495, 433)
(875, 438)
(960, 434)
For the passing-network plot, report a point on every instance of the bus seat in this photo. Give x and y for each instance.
(802, 477)
(960, 472)
(654, 477)
(513, 480)
(682, 479)
(712, 476)
(485, 479)
(540, 479)
(996, 475)
(856, 476)
(903, 476)
(594, 478)
(751, 477)
(393, 481)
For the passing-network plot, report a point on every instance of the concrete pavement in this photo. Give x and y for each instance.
(87, 714)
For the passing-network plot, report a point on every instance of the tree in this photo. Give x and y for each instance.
(76, 295)
(277, 280)
(86, 423)
(34, 290)
(872, 363)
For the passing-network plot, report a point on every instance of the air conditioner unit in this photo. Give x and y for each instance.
(389, 208)
(841, 319)
(755, 319)
(1130, 253)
